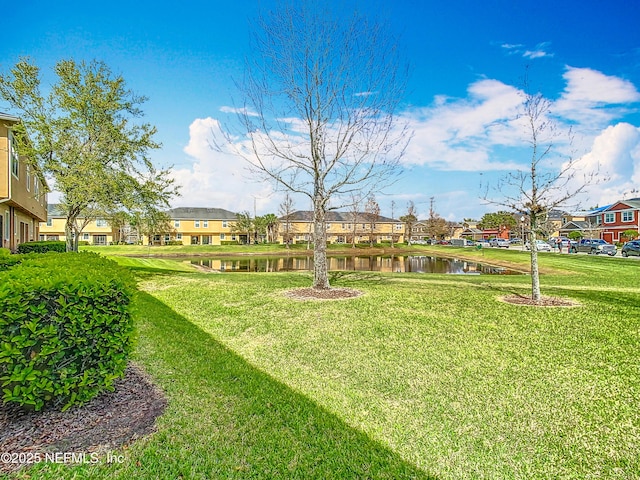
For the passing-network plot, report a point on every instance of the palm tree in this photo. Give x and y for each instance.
(272, 223)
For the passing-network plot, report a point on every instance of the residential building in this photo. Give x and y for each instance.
(199, 226)
(615, 219)
(341, 228)
(23, 191)
(96, 231)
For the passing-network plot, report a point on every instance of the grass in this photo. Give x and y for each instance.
(425, 376)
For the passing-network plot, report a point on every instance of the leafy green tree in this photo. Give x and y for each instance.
(243, 225)
(575, 235)
(271, 224)
(85, 134)
(631, 234)
(497, 220)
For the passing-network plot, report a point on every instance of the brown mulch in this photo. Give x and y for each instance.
(109, 421)
(544, 301)
(322, 294)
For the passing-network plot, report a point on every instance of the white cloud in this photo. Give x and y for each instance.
(218, 179)
(587, 94)
(457, 134)
(244, 111)
(615, 154)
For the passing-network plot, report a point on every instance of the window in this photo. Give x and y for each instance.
(222, 237)
(85, 236)
(36, 187)
(176, 223)
(205, 224)
(178, 236)
(224, 224)
(6, 225)
(609, 217)
(627, 216)
(206, 239)
(167, 238)
(196, 224)
(49, 222)
(28, 179)
(13, 154)
(101, 222)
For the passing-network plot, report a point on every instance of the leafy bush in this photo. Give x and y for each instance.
(42, 247)
(8, 261)
(65, 328)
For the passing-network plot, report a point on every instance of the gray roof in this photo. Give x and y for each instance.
(201, 213)
(346, 217)
(6, 116)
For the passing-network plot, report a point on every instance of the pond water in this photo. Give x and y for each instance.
(369, 263)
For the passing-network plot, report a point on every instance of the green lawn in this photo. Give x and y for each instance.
(425, 376)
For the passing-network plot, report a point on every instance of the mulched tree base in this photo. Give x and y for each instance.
(544, 301)
(107, 422)
(322, 294)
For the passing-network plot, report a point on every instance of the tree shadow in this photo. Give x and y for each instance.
(267, 429)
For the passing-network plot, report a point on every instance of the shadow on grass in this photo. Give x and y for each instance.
(234, 420)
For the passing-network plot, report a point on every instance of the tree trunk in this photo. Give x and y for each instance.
(535, 274)
(320, 274)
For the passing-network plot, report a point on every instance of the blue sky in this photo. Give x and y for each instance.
(467, 62)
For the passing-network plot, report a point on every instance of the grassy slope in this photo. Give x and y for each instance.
(424, 375)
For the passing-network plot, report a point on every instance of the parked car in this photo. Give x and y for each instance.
(594, 246)
(499, 242)
(631, 248)
(541, 246)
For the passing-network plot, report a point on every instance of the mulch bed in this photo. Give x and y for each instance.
(322, 294)
(544, 301)
(107, 422)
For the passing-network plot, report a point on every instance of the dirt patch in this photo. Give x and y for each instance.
(544, 301)
(107, 422)
(323, 294)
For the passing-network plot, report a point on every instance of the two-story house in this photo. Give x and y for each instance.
(198, 226)
(614, 219)
(342, 227)
(23, 191)
(96, 231)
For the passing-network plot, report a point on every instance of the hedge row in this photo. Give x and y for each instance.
(42, 247)
(65, 328)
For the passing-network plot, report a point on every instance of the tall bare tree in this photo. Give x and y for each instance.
(539, 188)
(319, 111)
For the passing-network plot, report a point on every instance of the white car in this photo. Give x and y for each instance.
(541, 246)
(499, 242)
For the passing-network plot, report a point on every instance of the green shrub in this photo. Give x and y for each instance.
(8, 261)
(42, 247)
(65, 328)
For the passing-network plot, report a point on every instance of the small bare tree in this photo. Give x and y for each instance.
(409, 220)
(540, 188)
(286, 215)
(372, 212)
(319, 111)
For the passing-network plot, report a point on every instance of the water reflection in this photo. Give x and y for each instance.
(373, 263)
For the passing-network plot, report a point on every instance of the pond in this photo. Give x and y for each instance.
(369, 263)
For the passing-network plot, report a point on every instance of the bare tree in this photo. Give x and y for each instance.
(319, 111)
(354, 214)
(286, 213)
(538, 189)
(372, 212)
(409, 220)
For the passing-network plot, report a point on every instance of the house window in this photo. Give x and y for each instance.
(6, 225)
(28, 179)
(224, 224)
(167, 238)
(609, 217)
(15, 159)
(627, 216)
(222, 237)
(85, 236)
(176, 223)
(99, 239)
(49, 222)
(178, 236)
(36, 187)
(205, 224)
(206, 239)
(101, 222)
(196, 224)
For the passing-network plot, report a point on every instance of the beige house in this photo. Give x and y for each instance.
(95, 232)
(341, 228)
(198, 226)
(23, 191)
